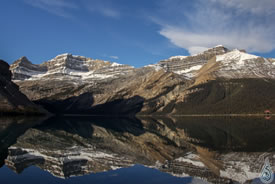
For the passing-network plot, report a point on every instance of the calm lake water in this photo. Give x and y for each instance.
(153, 150)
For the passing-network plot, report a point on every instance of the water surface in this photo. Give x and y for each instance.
(135, 150)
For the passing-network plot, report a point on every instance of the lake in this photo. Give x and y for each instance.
(118, 150)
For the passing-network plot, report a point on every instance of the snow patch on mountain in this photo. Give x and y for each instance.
(178, 57)
(197, 67)
(235, 55)
(115, 64)
(155, 67)
(28, 72)
(237, 64)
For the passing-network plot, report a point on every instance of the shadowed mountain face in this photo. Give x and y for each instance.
(12, 101)
(216, 81)
(233, 96)
(217, 150)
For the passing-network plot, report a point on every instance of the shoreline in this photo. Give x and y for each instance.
(142, 115)
(177, 115)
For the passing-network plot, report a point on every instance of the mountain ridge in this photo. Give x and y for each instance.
(66, 64)
(187, 66)
(216, 77)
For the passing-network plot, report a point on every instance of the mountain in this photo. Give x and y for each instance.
(119, 89)
(12, 101)
(66, 66)
(189, 65)
(216, 81)
(231, 83)
(237, 65)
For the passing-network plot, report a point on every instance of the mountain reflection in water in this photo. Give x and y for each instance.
(205, 150)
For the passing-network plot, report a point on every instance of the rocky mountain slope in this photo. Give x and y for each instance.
(215, 81)
(12, 101)
(68, 66)
(122, 93)
(189, 65)
(236, 65)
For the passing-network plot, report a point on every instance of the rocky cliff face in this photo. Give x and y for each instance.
(125, 94)
(189, 65)
(210, 82)
(66, 66)
(12, 101)
(236, 65)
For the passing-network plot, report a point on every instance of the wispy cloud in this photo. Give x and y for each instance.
(253, 6)
(105, 8)
(58, 7)
(65, 8)
(109, 12)
(114, 57)
(246, 24)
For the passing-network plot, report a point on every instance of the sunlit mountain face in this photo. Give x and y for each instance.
(206, 150)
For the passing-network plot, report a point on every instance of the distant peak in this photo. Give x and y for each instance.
(228, 50)
(69, 55)
(64, 55)
(22, 60)
(217, 50)
(219, 47)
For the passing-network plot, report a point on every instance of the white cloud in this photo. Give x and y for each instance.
(57, 7)
(196, 42)
(114, 57)
(232, 23)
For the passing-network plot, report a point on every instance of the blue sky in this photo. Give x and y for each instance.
(136, 32)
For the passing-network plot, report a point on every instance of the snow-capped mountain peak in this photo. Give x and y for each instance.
(236, 64)
(188, 66)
